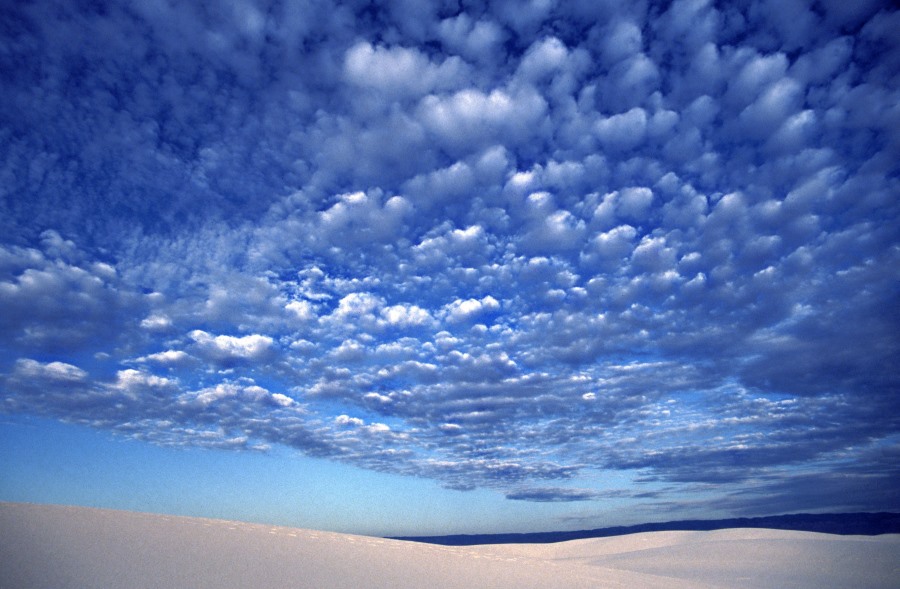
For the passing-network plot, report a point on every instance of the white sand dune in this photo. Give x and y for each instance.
(59, 547)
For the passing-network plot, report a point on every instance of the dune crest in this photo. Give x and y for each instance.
(62, 547)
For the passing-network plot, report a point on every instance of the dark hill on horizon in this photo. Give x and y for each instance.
(863, 524)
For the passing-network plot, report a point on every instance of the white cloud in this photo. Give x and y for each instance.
(623, 131)
(400, 71)
(406, 316)
(217, 393)
(229, 392)
(135, 382)
(156, 323)
(634, 202)
(623, 40)
(476, 40)
(357, 305)
(757, 74)
(441, 187)
(57, 371)
(795, 133)
(652, 255)
(229, 347)
(469, 119)
(54, 245)
(167, 357)
(631, 82)
(611, 246)
(469, 309)
(774, 105)
(61, 300)
(558, 231)
(358, 217)
(302, 310)
(469, 246)
(282, 400)
(346, 420)
(378, 428)
(543, 58)
(349, 351)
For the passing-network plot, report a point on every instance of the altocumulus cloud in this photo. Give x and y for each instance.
(499, 245)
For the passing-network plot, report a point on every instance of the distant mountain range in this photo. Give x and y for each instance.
(864, 524)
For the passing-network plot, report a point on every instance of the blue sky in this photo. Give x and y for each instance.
(451, 266)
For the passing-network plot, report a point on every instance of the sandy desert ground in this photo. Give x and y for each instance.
(75, 547)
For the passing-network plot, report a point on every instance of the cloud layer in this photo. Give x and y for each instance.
(498, 245)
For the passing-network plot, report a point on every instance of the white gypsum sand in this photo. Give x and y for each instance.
(76, 547)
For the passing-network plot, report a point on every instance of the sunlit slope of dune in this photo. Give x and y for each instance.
(60, 547)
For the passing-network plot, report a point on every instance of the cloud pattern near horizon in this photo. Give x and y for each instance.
(502, 245)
